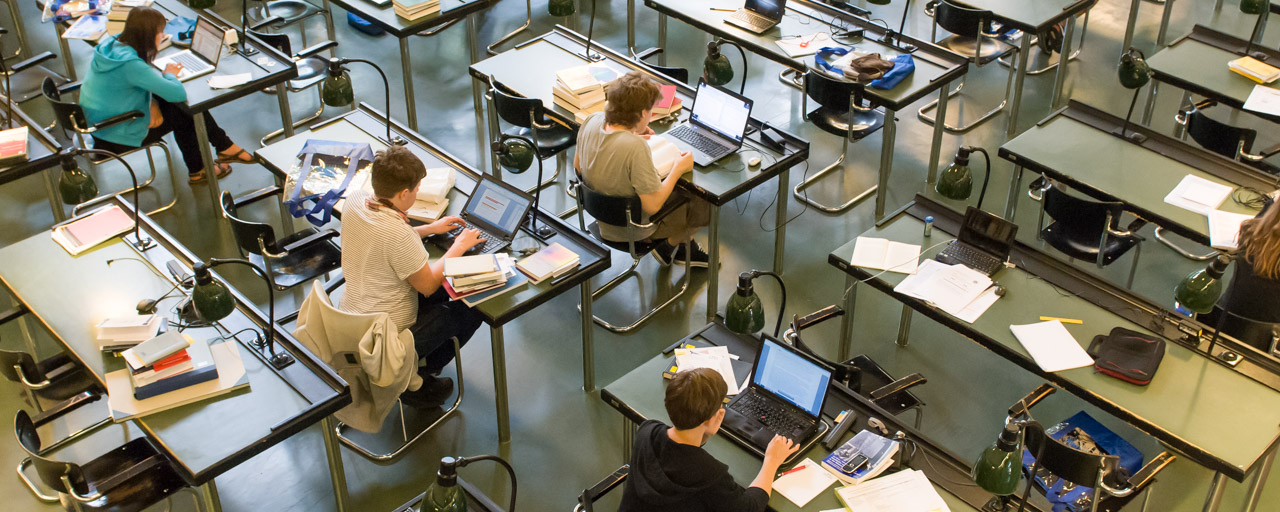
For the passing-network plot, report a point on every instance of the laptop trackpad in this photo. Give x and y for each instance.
(761, 438)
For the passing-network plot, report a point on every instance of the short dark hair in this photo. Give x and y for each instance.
(140, 29)
(628, 97)
(395, 169)
(694, 396)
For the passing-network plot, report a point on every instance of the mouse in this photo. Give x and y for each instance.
(753, 161)
(146, 306)
(1000, 291)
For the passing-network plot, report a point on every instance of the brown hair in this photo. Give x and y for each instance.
(140, 30)
(395, 169)
(1260, 243)
(694, 396)
(628, 97)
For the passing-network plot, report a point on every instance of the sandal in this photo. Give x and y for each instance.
(239, 157)
(199, 177)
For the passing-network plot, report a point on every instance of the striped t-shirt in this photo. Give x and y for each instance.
(379, 253)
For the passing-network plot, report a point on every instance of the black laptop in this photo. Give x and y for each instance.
(984, 242)
(784, 397)
(758, 16)
(496, 209)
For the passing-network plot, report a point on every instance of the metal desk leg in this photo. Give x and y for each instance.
(935, 150)
(713, 266)
(473, 46)
(477, 99)
(662, 38)
(1164, 25)
(16, 16)
(780, 222)
(588, 344)
(500, 381)
(846, 322)
(333, 452)
(1129, 28)
(55, 200)
(209, 498)
(495, 131)
(1065, 62)
(628, 438)
(406, 64)
(328, 24)
(286, 114)
(1011, 202)
(65, 47)
(631, 26)
(1259, 480)
(904, 326)
(1024, 56)
(210, 164)
(886, 159)
(1216, 490)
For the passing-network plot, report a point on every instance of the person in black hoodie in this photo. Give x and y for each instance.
(670, 472)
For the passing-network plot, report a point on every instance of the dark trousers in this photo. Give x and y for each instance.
(439, 321)
(183, 127)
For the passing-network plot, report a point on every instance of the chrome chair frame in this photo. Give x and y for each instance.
(1084, 30)
(1108, 231)
(855, 110)
(976, 59)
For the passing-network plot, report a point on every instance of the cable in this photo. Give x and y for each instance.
(774, 199)
(845, 295)
(1249, 197)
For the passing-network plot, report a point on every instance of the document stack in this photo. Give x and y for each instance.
(579, 91)
(186, 363)
(120, 12)
(13, 145)
(414, 9)
(1254, 69)
(668, 104)
(87, 231)
(475, 279)
(904, 491)
(116, 334)
(861, 458)
(433, 195)
(551, 262)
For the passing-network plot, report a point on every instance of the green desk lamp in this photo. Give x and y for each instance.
(202, 4)
(1133, 73)
(956, 181)
(444, 495)
(336, 90)
(516, 154)
(1199, 291)
(560, 8)
(744, 312)
(716, 68)
(77, 186)
(999, 467)
(213, 301)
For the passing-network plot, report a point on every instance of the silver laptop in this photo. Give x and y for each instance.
(758, 16)
(496, 209)
(202, 58)
(715, 128)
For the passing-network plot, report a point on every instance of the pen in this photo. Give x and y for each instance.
(727, 10)
(792, 470)
(1063, 320)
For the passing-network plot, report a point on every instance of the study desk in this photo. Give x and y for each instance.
(936, 68)
(638, 396)
(451, 11)
(1077, 146)
(69, 296)
(268, 66)
(1197, 63)
(1184, 406)
(367, 125)
(41, 147)
(530, 70)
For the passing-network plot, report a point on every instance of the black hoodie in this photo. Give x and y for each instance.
(668, 476)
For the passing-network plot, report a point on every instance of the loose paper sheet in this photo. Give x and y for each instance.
(229, 81)
(1264, 99)
(950, 288)
(1052, 347)
(806, 481)
(1224, 228)
(1198, 194)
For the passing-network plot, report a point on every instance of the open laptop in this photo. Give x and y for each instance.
(984, 242)
(715, 128)
(784, 397)
(758, 16)
(496, 209)
(202, 58)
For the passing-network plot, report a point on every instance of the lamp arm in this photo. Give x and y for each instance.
(591, 27)
(743, 87)
(137, 213)
(386, 87)
(8, 91)
(271, 298)
(782, 308)
(463, 461)
(986, 178)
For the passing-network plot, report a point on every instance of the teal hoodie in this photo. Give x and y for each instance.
(120, 81)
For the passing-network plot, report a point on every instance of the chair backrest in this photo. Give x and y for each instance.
(68, 114)
(601, 488)
(678, 74)
(960, 20)
(10, 359)
(1073, 465)
(516, 110)
(278, 41)
(1083, 217)
(1219, 137)
(1260, 335)
(826, 91)
(609, 209)
(50, 471)
(247, 233)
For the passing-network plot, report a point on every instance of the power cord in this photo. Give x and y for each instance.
(1250, 197)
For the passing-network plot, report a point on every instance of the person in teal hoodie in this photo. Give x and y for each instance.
(122, 79)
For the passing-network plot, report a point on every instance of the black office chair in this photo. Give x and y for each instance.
(76, 130)
(311, 70)
(1226, 140)
(278, 14)
(973, 38)
(678, 74)
(623, 211)
(129, 478)
(840, 112)
(1264, 336)
(1050, 43)
(529, 117)
(1084, 229)
(289, 261)
(26, 78)
(601, 488)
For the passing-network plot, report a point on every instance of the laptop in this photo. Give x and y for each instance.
(984, 242)
(784, 397)
(715, 128)
(758, 16)
(202, 58)
(496, 209)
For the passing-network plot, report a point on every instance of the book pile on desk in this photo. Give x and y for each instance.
(873, 452)
(121, 333)
(13, 145)
(167, 363)
(1254, 69)
(579, 90)
(433, 195)
(549, 263)
(668, 104)
(414, 9)
(120, 12)
(475, 279)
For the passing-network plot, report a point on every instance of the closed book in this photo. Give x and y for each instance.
(130, 329)
(547, 261)
(469, 265)
(174, 359)
(512, 284)
(427, 212)
(13, 145)
(1254, 69)
(488, 277)
(203, 369)
(155, 349)
(576, 102)
(879, 451)
(578, 79)
(89, 230)
(231, 376)
(455, 294)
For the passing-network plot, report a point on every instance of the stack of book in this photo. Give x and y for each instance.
(167, 363)
(668, 104)
(578, 90)
(433, 195)
(120, 12)
(549, 263)
(414, 9)
(1254, 69)
(194, 371)
(116, 334)
(862, 458)
(13, 145)
(475, 279)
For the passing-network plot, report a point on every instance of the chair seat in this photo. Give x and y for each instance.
(1085, 246)
(550, 141)
(155, 480)
(26, 85)
(311, 71)
(642, 246)
(992, 49)
(836, 121)
(303, 264)
(289, 11)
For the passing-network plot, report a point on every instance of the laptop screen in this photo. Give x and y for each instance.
(721, 111)
(499, 207)
(988, 232)
(791, 376)
(771, 9)
(207, 40)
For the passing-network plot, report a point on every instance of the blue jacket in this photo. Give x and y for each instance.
(120, 81)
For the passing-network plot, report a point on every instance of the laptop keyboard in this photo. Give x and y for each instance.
(701, 142)
(492, 243)
(761, 23)
(190, 63)
(774, 416)
(971, 257)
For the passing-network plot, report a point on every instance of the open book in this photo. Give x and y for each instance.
(665, 155)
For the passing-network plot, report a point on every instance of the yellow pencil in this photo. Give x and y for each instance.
(1063, 320)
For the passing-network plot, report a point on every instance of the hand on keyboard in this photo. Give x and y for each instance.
(173, 68)
(467, 239)
(779, 449)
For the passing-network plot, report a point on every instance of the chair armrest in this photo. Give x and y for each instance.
(69, 87)
(107, 484)
(316, 48)
(265, 22)
(897, 386)
(644, 54)
(1023, 405)
(1147, 474)
(32, 62)
(667, 208)
(1262, 155)
(313, 239)
(258, 195)
(64, 407)
(602, 487)
(12, 314)
(114, 120)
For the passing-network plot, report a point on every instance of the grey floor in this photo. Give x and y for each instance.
(564, 439)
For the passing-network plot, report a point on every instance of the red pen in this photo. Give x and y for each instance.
(792, 470)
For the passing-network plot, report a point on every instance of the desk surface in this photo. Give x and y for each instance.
(935, 66)
(1198, 63)
(1089, 158)
(1188, 404)
(530, 70)
(1032, 16)
(40, 144)
(386, 18)
(362, 124)
(70, 295)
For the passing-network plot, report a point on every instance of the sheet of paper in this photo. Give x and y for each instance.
(948, 287)
(718, 362)
(1052, 347)
(975, 309)
(800, 46)
(882, 254)
(1224, 228)
(804, 482)
(904, 491)
(1198, 194)
(1264, 99)
(229, 81)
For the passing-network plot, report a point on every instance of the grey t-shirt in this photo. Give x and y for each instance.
(616, 163)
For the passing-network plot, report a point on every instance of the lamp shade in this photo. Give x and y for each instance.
(1133, 71)
(201, 4)
(956, 181)
(444, 495)
(560, 7)
(1252, 6)
(515, 155)
(999, 468)
(878, 2)
(336, 90)
(75, 185)
(211, 298)
(716, 67)
(1199, 291)
(744, 312)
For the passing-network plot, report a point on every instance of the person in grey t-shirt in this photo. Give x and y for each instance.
(613, 158)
